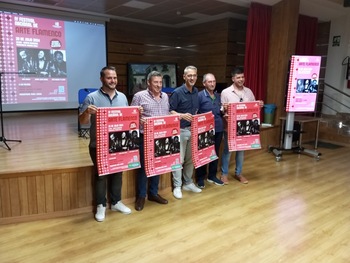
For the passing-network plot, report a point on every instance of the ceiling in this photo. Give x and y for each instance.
(178, 13)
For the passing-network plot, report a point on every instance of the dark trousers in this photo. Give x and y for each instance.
(201, 172)
(115, 184)
(142, 179)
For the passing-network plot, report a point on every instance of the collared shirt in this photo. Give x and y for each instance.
(207, 103)
(231, 94)
(101, 99)
(184, 101)
(151, 106)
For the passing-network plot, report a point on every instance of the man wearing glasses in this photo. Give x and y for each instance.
(184, 101)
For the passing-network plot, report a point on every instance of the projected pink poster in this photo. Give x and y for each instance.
(203, 148)
(303, 83)
(117, 139)
(162, 144)
(34, 60)
(243, 126)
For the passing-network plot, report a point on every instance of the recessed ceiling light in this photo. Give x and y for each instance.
(138, 4)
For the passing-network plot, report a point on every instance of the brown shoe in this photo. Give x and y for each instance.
(158, 199)
(224, 179)
(241, 179)
(140, 203)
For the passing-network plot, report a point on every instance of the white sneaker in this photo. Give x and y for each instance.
(100, 213)
(191, 187)
(121, 208)
(177, 192)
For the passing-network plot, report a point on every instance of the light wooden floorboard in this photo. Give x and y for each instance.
(295, 210)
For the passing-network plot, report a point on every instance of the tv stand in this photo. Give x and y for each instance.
(287, 132)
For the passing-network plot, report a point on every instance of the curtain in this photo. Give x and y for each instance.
(306, 36)
(257, 47)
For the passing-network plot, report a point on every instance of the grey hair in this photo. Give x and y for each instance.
(154, 74)
(188, 68)
(205, 76)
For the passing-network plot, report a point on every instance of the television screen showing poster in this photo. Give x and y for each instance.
(203, 148)
(243, 126)
(117, 139)
(162, 144)
(303, 83)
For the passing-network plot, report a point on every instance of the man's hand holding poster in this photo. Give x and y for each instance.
(243, 126)
(162, 144)
(117, 139)
(203, 149)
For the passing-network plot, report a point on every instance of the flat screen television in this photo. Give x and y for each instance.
(137, 76)
(303, 79)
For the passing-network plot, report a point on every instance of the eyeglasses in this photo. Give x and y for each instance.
(191, 76)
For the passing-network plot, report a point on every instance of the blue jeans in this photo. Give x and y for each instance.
(115, 183)
(213, 166)
(142, 177)
(226, 156)
(186, 160)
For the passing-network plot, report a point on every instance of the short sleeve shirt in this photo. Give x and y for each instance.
(101, 99)
(151, 106)
(230, 95)
(184, 101)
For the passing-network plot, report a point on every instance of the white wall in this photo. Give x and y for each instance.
(335, 71)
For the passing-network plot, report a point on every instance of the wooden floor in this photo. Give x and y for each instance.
(295, 210)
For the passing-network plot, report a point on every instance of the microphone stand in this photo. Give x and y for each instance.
(2, 137)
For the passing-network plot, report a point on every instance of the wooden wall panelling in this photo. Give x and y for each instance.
(32, 195)
(236, 38)
(14, 197)
(57, 191)
(45, 194)
(73, 189)
(5, 198)
(23, 195)
(282, 45)
(40, 186)
(49, 196)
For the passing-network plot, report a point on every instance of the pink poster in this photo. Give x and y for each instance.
(244, 126)
(203, 139)
(117, 139)
(303, 83)
(34, 58)
(162, 144)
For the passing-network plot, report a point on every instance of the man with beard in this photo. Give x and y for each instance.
(106, 96)
(237, 92)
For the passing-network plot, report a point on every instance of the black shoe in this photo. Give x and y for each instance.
(200, 184)
(215, 180)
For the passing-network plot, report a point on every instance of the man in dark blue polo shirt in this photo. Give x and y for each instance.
(209, 100)
(184, 101)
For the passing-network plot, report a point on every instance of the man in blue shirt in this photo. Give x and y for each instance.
(106, 96)
(209, 100)
(184, 101)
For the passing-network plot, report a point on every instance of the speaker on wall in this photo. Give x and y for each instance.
(346, 3)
